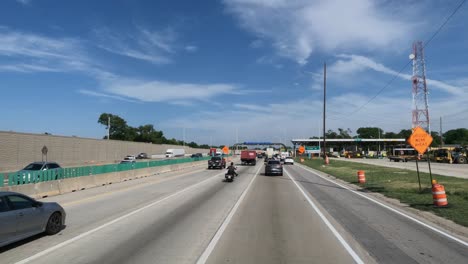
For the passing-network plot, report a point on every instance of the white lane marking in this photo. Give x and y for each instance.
(67, 242)
(343, 242)
(392, 209)
(209, 249)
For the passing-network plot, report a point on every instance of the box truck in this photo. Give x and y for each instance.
(171, 153)
(249, 157)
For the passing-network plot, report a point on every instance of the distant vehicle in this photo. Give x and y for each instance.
(284, 154)
(249, 157)
(26, 175)
(217, 162)
(288, 160)
(142, 156)
(282, 160)
(22, 217)
(172, 153)
(274, 167)
(259, 155)
(403, 154)
(130, 157)
(270, 152)
(212, 152)
(197, 155)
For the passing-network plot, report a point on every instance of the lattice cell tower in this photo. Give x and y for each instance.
(420, 92)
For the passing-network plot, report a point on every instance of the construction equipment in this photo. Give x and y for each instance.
(450, 155)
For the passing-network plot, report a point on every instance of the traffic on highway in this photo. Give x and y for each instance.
(233, 131)
(195, 216)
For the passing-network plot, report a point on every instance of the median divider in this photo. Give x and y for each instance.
(76, 179)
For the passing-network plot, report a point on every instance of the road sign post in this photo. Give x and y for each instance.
(420, 140)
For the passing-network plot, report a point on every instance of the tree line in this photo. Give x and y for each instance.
(457, 136)
(120, 130)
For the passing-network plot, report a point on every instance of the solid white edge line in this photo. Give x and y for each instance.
(391, 209)
(343, 242)
(67, 242)
(214, 241)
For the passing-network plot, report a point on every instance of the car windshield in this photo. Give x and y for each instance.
(33, 166)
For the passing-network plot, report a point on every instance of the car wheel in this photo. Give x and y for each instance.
(54, 225)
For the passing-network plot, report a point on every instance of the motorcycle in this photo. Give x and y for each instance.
(229, 177)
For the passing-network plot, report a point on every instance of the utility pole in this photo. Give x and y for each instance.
(237, 140)
(324, 109)
(440, 134)
(378, 155)
(183, 136)
(108, 127)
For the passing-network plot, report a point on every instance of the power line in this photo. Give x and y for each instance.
(406, 65)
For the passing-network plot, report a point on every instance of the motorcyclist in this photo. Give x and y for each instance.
(232, 169)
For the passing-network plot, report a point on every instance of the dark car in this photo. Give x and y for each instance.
(217, 162)
(142, 156)
(30, 173)
(197, 155)
(22, 217)
(274, 167)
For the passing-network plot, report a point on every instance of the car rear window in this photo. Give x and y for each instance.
(273, 162)
(216, 158)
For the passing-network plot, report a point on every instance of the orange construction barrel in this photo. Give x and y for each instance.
(438, 194)
(361, 176)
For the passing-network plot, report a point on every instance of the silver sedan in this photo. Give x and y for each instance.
(22, 217)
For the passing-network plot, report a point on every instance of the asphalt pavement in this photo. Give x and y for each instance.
(193, 216)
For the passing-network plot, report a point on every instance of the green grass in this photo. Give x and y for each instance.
(403, 185)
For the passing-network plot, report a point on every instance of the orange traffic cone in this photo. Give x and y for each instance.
(438, 194)
(361, 176)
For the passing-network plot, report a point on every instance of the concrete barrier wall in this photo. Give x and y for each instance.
(51, 188)
(19, 149)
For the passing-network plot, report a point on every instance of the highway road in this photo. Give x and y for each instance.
(195, 217)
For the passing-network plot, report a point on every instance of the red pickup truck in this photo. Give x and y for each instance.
(249, 157)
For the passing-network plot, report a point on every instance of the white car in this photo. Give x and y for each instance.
(289, 161)
(130, 157)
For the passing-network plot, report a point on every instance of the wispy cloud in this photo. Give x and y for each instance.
(151, 46)
(167, 92)
(27, 52)
(191, 48)
(258, 43)
(24, 2)
(352, 64)
(27, 68)
(251, 107)
(107, 96)
(298, 28)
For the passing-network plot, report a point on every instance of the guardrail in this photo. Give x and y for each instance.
(17, 178)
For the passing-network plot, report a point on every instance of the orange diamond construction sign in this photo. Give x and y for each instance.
(420, 140)
(301, 149)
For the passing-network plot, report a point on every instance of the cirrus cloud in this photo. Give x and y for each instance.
(298, 28)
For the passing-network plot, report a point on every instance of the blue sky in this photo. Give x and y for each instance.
(217, 67)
